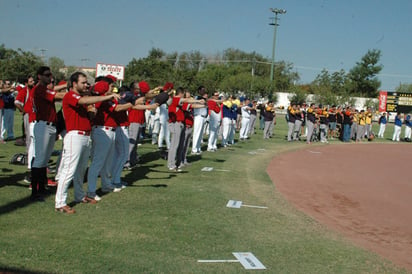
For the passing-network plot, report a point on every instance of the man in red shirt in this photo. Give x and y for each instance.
(176, 127)
(215, 118)
(22, 99)
(121, 149)
(137, 121)
(44, 130)
(77, 144)
(103, 137)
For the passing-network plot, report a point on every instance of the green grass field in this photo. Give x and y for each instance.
(164, 222)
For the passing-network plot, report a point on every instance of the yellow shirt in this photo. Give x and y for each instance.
(355, 117)
(368, 118)
(362, 120)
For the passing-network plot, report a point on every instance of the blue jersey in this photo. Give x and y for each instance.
(398, 121)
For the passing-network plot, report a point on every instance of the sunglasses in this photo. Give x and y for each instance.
(48, 74)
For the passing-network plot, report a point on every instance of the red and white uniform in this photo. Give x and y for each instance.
(176, 128)
(215, 118)
(76, 149)
(103, 138)
(23, 98)
(137, 121)
(44, 129)
(121, 147)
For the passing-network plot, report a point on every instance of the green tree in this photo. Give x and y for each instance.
(363, 80)
(404, 88)
(284, 76)
(155, 69)
(299, 96)
(16, 65)
(57, 65)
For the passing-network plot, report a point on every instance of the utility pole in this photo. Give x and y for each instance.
(275, 23)
(42, 56)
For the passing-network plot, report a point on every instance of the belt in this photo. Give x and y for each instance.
(106, 128)
(80, 132)
(46, 122)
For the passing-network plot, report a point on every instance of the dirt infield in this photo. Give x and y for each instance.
(364, 191)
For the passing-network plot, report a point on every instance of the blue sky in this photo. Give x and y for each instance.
(313, 34)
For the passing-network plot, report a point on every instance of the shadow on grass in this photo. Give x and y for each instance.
(12, 270)
(11, 179)
(12, 206)
(154, 185)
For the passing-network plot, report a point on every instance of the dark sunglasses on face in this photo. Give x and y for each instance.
(48, 74)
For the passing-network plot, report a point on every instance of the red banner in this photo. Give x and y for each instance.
(383, 97)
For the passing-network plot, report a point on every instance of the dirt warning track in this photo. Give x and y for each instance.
(364, 191)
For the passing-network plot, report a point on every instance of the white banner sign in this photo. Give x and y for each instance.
(109, 69)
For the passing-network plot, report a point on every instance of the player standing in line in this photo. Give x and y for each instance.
(176, 127)
(245, 121)
(44, 130)
(298, 123)
(360, 134)
(164, 134)
(103, 137)
(187, 131)
(310, 122)
(233, 119)
(323, 123)
(291, 120)
(77, 143)
(368, 122)
(397, 127)
(332, 118)
(24, 104)
(382, 125)
(199, 121)
(121, 148)
(215, 118)
(21, 100)
(253, 116)
(137, 121)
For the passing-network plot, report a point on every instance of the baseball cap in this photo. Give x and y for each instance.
(144, 86)
(101, 87)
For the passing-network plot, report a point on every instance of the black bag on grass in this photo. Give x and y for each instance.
(19, 159)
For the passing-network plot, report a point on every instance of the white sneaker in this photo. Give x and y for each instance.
(117, 189)
(97, 198)
(107, 190)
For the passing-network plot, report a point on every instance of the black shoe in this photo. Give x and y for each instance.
(37, 198)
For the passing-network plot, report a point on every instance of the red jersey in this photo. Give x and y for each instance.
(136, 116)
(121, 118)
(22, 96)
(189, 118)
(176, 110)
(28, 106)
(43, 104)
(75, 115)
(1, 103)
(213, 106)
(104, 115)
